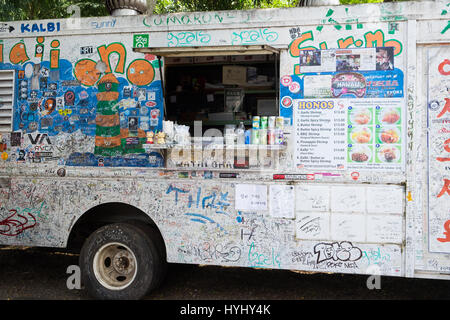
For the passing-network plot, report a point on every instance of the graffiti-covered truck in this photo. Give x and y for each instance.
(312, 139)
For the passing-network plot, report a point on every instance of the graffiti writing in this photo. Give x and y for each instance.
(369, 40)
(343, 251)
(187, 38)
(302, 257)
(253, 36)
(193, 19)
(295, 33)
(103, 24)
(311, 226)
(199, 202)
(218, 201)
(376, 256)
(263, 260)
(40, 27)
(139, 72)
(177, 190)
(16, 223)
(208, 252)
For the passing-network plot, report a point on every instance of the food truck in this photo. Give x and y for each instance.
(312, 139)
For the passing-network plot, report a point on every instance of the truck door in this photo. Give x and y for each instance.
(434, 102)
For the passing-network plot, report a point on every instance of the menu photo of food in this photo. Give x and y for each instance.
(360, 134)
(359, 153)
(387, 154)
(360, 116)
(388, 134)
(374, 133)
(388, 115)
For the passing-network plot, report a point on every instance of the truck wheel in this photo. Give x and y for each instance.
(159, 244)
(119, 261)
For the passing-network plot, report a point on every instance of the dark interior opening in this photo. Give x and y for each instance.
(221, 90)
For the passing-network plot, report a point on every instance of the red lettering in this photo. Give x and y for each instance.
(446, 233)
(447, 145)
(446, 148)
(445, 109)
(441, 67)
(445, 188)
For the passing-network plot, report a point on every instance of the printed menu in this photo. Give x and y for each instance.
(349, 134)
(320, 130)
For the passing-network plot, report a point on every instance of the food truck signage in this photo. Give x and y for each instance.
(439, 150)
(362, 125)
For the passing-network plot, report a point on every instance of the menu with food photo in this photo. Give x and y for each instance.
(375, 134)
(361, 133)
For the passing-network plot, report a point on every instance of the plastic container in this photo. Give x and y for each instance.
(279, 123)
(255, 122)
(264, 122)
(255, 136)
(248, 136)
(271, 136)
(263, 136)
(279, 136)
(240, 134)
(271, 122)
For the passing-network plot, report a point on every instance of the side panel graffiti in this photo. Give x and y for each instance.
(66, 94)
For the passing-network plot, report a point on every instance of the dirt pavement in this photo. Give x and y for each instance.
(37, 273)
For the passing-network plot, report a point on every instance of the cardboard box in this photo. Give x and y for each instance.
(234, 75)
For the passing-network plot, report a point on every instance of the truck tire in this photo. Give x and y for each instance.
(157, 239)
(120, 261)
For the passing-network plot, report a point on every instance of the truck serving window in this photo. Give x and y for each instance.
(220, 86)
(6, 99)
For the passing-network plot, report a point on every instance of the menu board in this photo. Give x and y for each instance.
(375, 133)
(320, 127)
(349, 134)
(351, 113)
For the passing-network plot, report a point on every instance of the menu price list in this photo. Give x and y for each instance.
(347, 134)
(320, 128)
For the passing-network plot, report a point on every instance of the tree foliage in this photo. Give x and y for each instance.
(164, 6)
(51, 9)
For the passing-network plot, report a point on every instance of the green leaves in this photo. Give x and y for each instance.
(48, 9)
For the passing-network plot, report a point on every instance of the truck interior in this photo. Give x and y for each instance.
(219, 88)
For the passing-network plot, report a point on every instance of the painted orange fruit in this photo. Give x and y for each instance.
(140, 72)
(86, 73)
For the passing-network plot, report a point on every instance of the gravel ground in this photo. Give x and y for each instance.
(40, 274)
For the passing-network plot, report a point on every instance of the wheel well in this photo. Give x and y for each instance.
(104, 214)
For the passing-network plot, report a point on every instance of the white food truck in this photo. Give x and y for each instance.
(312, 139)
